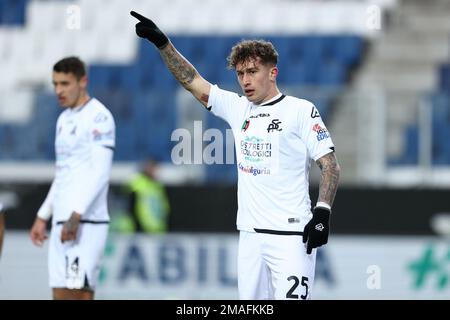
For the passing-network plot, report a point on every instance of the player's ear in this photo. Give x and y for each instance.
(83, 81)
(273, 73)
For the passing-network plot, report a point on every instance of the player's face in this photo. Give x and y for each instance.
(257, 80)
(69, 89)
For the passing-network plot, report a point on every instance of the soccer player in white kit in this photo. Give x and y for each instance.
(77, 199)
(276, 137)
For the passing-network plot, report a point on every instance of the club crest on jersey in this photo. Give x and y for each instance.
(322, 133)
(245, 125)
(275, 125)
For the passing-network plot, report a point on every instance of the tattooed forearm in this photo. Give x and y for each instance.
(330, 178)
(181, 69)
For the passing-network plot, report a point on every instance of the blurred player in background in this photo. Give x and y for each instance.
(2, 227)
(148, 204)
(276, 137)
(77, 199)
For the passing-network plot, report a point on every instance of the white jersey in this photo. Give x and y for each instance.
(275, 142)
(83, 164)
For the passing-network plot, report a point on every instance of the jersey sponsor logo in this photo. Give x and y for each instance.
(253, 170)
(254, 149)
(293, 220)
(99, 136)
(322, 133)
(260, 115)
(245, 125)
(314, 113)
(100, 117)
(275, 125)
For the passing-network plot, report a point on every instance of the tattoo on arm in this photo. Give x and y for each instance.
(181, 69)
(205, 98)
(330, 177)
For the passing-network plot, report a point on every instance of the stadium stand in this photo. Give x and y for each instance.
(320, 49)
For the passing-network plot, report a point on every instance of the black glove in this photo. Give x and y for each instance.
(317, 230)
(147, 29)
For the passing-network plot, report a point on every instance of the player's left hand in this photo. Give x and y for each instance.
(147, 29)
(316, 231)
(70, 227)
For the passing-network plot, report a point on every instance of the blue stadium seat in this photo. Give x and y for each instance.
(444, 77)
(154, 123)
(312, 49)
(348, 49)
(184, 44)
(45, 114)
(297, 73)
(141, 95)
(441, 147)
(441, 123)
(220, 172)
(162, 79)
(117, 101)
(12, 12)
(100, 76)
(6, 141)
(331, 73)
(227, 78)
(411, 155)
(132, 78)
(441, 108)
(126, 141)
(147, 55)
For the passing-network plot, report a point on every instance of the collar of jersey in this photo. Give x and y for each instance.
(270, 102)
(78, 108)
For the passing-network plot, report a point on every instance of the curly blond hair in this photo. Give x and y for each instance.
(246, 50)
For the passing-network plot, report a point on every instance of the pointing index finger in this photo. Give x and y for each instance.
(138, 16)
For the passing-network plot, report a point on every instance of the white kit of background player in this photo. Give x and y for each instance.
(77, 200)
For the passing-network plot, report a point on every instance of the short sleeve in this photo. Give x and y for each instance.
(103, 129)
(314, 132)
(227, 105)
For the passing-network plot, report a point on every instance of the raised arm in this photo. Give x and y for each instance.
(178, 65)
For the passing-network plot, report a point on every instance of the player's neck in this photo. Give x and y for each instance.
(84, 98)
(271, 94)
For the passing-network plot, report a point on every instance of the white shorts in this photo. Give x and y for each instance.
(273, 266)
(76, 264)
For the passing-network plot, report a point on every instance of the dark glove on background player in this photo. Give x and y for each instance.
(147, 29)
(316, 231)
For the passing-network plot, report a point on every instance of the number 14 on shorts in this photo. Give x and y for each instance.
(74, 278)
